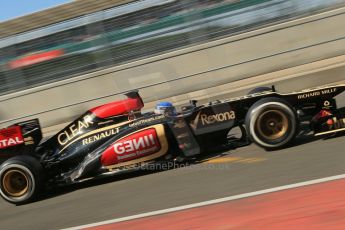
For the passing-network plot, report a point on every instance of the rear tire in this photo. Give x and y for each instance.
(20, 179)
(271, 123)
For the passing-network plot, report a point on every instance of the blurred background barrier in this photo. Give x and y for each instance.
(164, 48)
(130, 32)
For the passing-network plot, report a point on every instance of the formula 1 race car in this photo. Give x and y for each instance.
(117, 136)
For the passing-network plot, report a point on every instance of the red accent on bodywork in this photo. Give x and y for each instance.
(322, 114)
(118, 107)
(134, 146)
(330, 122)
(11, 136)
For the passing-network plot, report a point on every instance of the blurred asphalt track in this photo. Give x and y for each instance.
(237, 171)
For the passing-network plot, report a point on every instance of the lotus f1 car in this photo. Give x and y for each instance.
(117, 136)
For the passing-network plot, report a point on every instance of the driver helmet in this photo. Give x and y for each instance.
(165, 108)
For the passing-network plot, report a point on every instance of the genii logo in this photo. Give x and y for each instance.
(10, 137)
(134, 146)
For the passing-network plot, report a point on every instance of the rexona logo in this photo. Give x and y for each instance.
(131, 147)
(219, 117)
(209, 119)
(10, 137)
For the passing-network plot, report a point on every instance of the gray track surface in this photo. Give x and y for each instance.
(242, 170)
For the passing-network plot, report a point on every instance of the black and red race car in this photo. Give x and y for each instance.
(117, 136)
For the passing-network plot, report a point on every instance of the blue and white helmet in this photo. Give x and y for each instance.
(166, 108)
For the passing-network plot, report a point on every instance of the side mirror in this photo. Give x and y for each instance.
(193, 102)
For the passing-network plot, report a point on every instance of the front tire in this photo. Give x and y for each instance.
(20, 179)
(271, 123)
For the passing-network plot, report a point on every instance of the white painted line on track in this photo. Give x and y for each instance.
(210, 202)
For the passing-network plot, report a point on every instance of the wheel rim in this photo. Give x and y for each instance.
(272, 124)
(15, 183)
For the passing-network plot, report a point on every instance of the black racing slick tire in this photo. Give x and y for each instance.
(20, 179)
(271, 123)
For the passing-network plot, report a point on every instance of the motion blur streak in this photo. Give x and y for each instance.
(195, 68)
(130, 32)
(317, 204)
(315, 207)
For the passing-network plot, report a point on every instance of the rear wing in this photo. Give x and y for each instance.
(20, 138)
